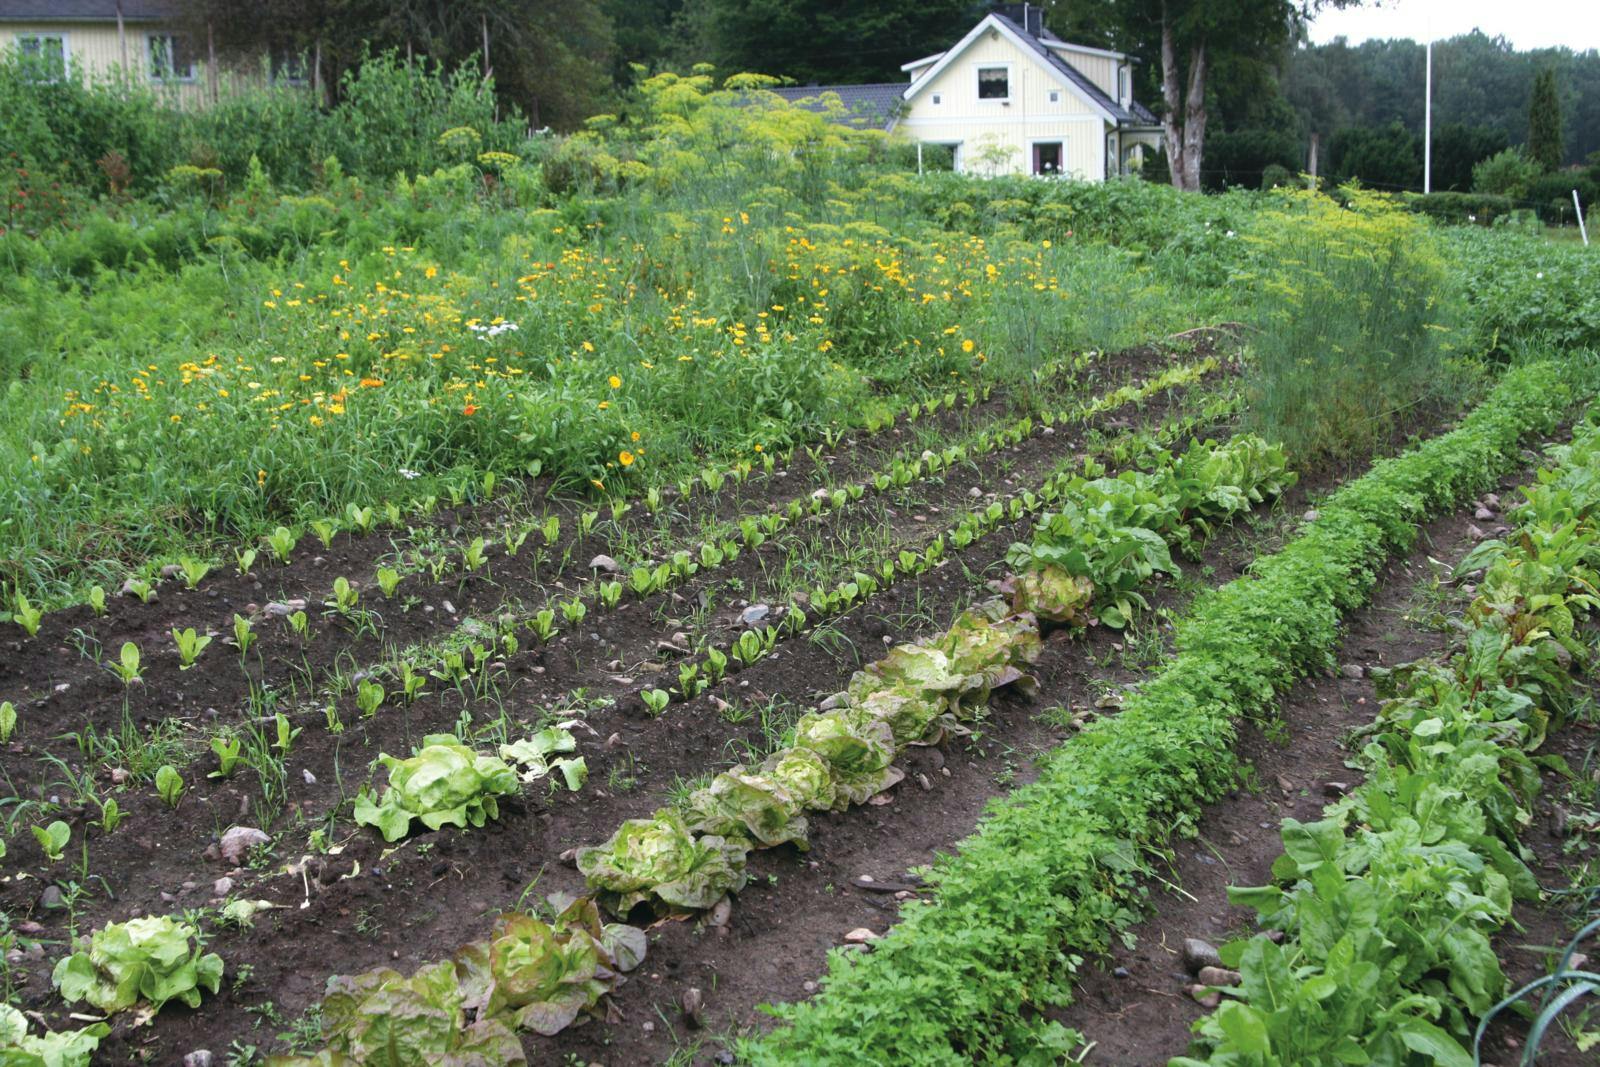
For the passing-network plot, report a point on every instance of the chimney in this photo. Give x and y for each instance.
(1029, 16)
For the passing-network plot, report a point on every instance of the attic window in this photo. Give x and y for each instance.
(994, 83)
(1055, 96)
(936, 98)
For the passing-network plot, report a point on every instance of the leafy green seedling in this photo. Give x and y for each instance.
(8, 721)
(325, 529)
(227, 748)
(26, 616)
(574, 610)
(244, 560)
(127, 665)
(97, 599)
(388, 581)
(473, 555)
(243, 634)
(169, 785)
(369, 697)
(345, 595)
(194, 571)
(286, 735)
(656, 700)
(111, 814)
(53, 839)
(282, 542)
(190, 645)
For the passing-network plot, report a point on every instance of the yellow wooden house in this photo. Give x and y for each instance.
(1011, 97)
(140, 40)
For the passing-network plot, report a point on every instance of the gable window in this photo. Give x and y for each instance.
(1122, 85)
(936, 98)
(45, 54)
(169, 58)
(994, 83)
(1055, 96)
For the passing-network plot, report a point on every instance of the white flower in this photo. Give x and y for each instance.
(1228, 234)
(1539, 275)
(409, 474)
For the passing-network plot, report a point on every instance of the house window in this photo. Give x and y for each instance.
(1047, 157)
(936, 98)
(169, 58)
(45, 54)
(1122, 85)
(994, 83)
(1055, 96)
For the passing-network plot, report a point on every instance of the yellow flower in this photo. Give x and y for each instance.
(615, 382)
(625, 458)
(635, 435)
(604, 404)
(966, 346)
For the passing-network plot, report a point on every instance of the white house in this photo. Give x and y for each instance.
(1011, 97)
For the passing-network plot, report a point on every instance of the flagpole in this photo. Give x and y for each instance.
(1427, 124)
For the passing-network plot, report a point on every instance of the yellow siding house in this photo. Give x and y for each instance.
(136, 39)
(1012, 98)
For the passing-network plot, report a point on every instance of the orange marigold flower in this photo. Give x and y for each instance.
(371, 383)
(470, 409)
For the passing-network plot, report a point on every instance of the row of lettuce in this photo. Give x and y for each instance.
(1055, 870)
(540, 974)
(1384, 908)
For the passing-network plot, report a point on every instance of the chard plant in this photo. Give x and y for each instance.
(369, 698)
(345, 595)
(25, 615)
(388, 581)
(194, 571)
(227, 748)
(127, 665)
(326, 530)
(169, 785)
(53, 839)
(282, 541)
(190, 645)
(363, 519)
(243, 635)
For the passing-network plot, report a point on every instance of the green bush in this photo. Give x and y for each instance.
(1461, 208)
(1507, 173)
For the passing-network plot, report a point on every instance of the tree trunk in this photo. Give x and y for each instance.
(1171, 131)
(1311, 164)
(1183, 126)
(1194, 118)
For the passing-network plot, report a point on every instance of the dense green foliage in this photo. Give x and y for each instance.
(1388, 902)
(1544, 122)
(1053, 869)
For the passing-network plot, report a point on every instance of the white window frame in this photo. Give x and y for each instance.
(172, 51)
(52, 35)
(278, 62)
(977, 83)
(1055, 139)
(1124, 85)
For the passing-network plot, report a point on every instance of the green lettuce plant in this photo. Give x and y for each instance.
(660, 861)
(858, 749)
(151, 959)
(756, 806)
(541, 976)
(445, 783)
(57, 1048)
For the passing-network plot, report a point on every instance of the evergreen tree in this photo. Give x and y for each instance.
(1544, 122)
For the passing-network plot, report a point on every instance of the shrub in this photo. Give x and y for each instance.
(1507, 173)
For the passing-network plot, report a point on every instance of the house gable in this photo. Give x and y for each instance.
(997, 40)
